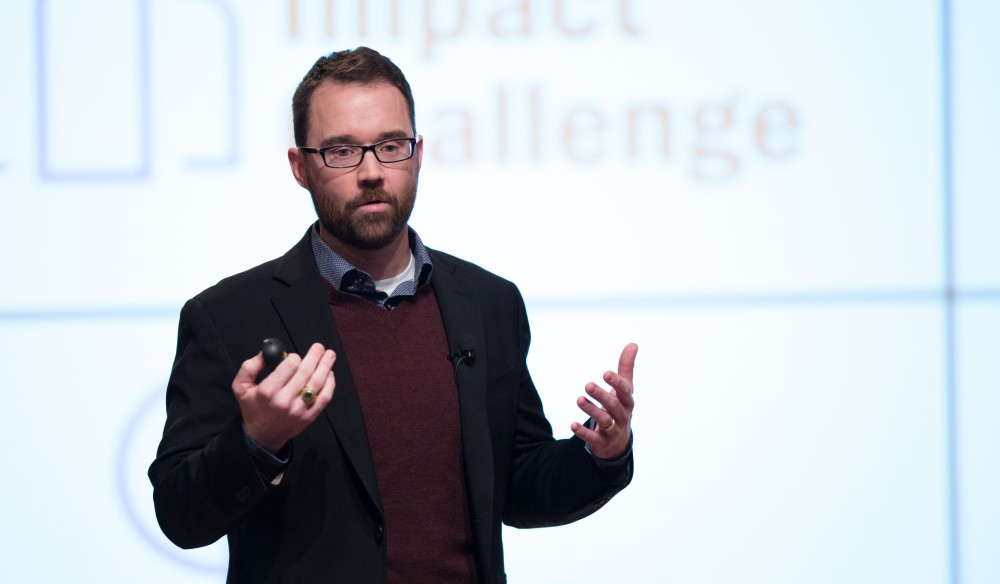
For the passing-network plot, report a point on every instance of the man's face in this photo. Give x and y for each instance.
(365, 207)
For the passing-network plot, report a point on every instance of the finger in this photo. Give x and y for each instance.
(328, 386)
(320, 375)
(621, 389)
(608, 401)
(626, 362)
(247, 375)
(584, 433)
(305, 366)
(303, 375)
(313, 356)
(324, 394)
(323, 369)
(602, 417)
(274, 384)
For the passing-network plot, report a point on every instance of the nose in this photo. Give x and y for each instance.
(370, 171)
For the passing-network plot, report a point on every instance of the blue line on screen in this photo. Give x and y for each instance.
(231, 156)
(45, 171)
(977, 294)
(145, 65)
(560, 304)
(56, 314)
(763, 299)
(951, 373)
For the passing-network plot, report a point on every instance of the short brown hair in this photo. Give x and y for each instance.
(360, 65)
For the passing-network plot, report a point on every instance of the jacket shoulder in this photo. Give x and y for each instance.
(256, 278)
(264, 280)
(470, 271)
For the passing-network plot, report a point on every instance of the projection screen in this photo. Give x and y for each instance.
(792, 208)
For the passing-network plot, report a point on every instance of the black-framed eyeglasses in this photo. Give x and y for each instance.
(351, 155)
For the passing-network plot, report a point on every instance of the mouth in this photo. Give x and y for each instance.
(373, 201)
(373, 206)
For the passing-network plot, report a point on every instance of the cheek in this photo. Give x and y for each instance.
(406, 181)
(312, 180)
(331, 188)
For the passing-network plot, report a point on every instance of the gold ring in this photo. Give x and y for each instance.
(609, 427)
(309, 396)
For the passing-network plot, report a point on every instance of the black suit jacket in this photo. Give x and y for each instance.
(323, 522)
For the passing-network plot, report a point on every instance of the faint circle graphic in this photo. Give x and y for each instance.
(135, 452)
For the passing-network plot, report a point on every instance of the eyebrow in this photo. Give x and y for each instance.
(346, 139)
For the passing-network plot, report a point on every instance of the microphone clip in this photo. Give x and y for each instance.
(463, 354)
(467, 355)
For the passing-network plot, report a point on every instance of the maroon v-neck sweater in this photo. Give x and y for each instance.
(406, 385)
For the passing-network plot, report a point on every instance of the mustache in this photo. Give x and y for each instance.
(372, 194)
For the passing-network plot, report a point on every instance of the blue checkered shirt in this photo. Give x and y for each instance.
(344, 276)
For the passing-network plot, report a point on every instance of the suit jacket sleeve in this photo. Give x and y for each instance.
(551, 482)
(204, 479)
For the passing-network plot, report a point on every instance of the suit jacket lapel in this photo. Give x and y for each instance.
(460, 314)
(305, 312)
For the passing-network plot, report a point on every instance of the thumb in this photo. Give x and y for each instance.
(626, 363)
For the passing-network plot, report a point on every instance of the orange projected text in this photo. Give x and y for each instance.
(711, 140)
(441, 21)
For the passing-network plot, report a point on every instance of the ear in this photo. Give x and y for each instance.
(297, 162)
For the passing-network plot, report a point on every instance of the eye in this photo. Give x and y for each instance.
(389, 147)
(341, 151)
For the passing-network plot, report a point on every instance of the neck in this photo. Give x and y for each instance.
(380, 264)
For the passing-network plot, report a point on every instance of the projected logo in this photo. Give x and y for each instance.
(96, 116)
(138, 446)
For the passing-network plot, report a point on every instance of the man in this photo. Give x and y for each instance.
(403, 425)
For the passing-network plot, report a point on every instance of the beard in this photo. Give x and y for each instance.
(367, 231)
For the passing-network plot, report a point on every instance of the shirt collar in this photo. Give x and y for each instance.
(344, 276)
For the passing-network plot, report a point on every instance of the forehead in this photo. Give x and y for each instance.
(357, 112)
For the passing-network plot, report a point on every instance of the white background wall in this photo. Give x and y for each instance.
(791, 206)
